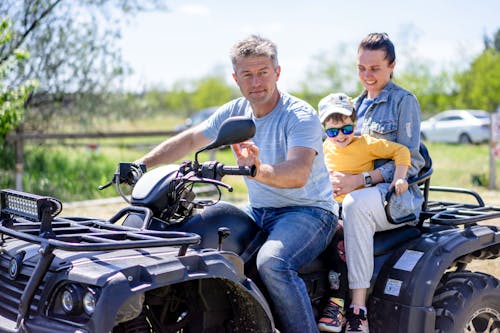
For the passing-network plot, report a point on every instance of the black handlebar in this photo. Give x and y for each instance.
(216, 170)
(212, 170)
(237, 170)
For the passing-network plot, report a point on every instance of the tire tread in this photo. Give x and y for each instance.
(455, 294)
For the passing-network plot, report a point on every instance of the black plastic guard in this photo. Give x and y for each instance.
(406, 282)
(223, 214)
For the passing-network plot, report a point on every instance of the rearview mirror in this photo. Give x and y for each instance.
(233, 130)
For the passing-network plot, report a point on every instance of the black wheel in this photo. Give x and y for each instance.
(464, 138)
(169, 318)
(140, 324)
(467, 302)
(206, 305)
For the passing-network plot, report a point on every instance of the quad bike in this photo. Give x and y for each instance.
(172, 262)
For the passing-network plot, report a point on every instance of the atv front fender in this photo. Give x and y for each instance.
(207, 278)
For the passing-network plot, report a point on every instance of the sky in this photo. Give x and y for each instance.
(192, 38)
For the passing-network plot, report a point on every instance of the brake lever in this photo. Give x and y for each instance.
(102, 187)
(196, 179)
(111, 182)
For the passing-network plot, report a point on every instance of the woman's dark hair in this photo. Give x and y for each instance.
(379, 41)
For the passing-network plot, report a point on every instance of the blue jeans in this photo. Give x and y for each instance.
(297, 235)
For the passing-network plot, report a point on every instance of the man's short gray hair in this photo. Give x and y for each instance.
(255, 46)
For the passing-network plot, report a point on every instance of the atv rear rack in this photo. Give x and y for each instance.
(453, 213)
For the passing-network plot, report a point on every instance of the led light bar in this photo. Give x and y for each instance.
(30, 206)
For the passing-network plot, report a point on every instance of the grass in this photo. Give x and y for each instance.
(70, 171)
(456, 166)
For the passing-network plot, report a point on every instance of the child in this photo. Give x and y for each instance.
(347, 153)
(344, 152)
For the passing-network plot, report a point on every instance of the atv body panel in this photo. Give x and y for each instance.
(115, 276)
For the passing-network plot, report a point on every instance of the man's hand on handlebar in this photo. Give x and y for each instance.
(247, 154)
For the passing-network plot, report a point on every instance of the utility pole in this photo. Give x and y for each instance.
(494, 147)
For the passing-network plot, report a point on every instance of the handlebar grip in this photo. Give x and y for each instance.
(238, 170)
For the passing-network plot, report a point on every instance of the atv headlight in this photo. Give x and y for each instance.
(74, 302)
(71, 298)
(89, 301)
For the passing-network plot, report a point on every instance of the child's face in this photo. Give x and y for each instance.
(341, 140)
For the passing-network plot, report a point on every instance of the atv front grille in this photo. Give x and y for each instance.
(12, 289)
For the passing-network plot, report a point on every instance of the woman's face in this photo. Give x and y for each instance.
(374, 71)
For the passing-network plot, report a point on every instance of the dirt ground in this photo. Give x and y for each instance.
(106, 208)
(103, 209)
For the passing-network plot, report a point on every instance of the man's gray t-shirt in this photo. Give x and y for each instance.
(292, 123)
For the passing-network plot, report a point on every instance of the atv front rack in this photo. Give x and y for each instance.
(32, 218)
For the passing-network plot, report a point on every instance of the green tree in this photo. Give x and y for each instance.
(74, 55)
(492, 43)
(479, 85)
(431, 89)
(330, 71)
(12, 101)
(178, 99)
(188, 96)
(211, 91)
(12, 96)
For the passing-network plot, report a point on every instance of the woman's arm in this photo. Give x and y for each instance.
(408, 134)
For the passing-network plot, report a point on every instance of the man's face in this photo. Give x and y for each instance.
(256, 77)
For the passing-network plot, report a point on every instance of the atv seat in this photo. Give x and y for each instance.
(384, 241)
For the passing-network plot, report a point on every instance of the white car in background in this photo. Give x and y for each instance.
(457, 126)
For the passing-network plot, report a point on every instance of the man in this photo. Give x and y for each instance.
(290, 196)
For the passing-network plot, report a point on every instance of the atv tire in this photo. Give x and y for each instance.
(467, 302)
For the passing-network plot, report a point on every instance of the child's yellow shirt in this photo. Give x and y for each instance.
(361, 153)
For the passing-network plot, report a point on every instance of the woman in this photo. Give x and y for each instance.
(384, 110)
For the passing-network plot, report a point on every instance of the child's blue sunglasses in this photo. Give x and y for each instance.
(333, 132)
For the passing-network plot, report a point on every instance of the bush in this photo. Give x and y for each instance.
(67, 174)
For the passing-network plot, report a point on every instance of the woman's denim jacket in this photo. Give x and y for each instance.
(395, 116)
